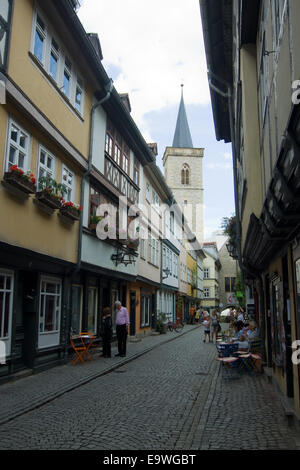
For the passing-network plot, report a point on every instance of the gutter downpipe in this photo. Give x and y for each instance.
(108, 88)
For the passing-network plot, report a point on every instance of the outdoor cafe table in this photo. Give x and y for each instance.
(81, 348)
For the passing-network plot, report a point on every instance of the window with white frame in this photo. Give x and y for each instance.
(40, 34)
(79, 96)
(175, 263)
(143, 244)
(46, 164)
(206, 292)
(206, 273)
(6, 300)
(153, 250)
(148, 191)
(155, 199)
(18, 146)
(68, 179)
(50, 304)
(67, 77)
(145, 310)
(55, 60)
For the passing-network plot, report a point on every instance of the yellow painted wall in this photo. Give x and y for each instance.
(34, 84)
(22, 223)
(191, 263)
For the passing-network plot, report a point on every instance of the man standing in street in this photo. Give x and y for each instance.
(122, 322)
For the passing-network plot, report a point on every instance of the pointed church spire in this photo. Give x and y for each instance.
(182, 136)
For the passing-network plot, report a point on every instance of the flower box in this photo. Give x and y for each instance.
(133, 244)
(20, 181)
(49, 199)
(70, 212)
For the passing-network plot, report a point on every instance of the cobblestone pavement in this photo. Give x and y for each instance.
(172, 397)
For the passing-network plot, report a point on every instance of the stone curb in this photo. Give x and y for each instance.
(88, 379)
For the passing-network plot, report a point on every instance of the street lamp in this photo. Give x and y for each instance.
(230, 248)
(167, 271)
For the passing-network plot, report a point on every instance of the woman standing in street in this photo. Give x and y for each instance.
(214, 325)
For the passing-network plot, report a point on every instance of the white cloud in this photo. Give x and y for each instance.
(227, 156)
(156, 45)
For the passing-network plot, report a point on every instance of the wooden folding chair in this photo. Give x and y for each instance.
(255, 353)
(91, 346)
(80, 350)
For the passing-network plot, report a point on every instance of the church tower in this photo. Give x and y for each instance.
(183, 172)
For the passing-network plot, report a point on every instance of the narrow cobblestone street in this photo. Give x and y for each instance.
(171, 398)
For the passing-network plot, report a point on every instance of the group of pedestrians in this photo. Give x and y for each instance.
(211, 325)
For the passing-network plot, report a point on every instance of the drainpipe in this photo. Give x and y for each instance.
(108, 88)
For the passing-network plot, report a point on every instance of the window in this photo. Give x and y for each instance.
(148, 191)
(56, 62)
(68, 180)
(136, 172)
(172, 222)
(175, 264)
(6, 298)
(155, 199)
(76, 309)
(46, 166)
(92, 308)
(145, 310)
(108, 145)
(39, 39)
(116, 147)
(54, 58)
(78, 96)
(206, 273)
(126, 158)
(206, 292)
(143, 244)
(153, 250)
(95, 200)
(18, 147)
(185, 174)
(229, 284)
(50, 301)
(5, 19)
(67, 77)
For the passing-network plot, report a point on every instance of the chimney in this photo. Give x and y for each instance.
(153, 148)
(125, 100)
(94, 38)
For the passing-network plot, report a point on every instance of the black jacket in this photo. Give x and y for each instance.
(106, 327)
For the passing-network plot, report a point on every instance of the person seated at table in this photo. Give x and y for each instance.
(238, 329)
(252, 330)
(106, 332)
(243, 343)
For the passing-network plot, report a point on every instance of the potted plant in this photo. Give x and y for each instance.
(161, 323)
(50, 192)
(70, 210)
(16, 177)
(94, 221)
(133, 242)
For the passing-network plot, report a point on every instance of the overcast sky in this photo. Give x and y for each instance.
(149, 49)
